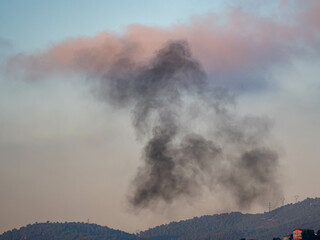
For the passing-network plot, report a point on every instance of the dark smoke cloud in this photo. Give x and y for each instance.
(193, 140)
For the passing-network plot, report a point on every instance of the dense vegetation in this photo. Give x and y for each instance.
(277, 223)
(66, 231)
(229, 226)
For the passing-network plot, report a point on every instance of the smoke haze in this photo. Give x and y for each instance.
(180, 161)
(237, 47)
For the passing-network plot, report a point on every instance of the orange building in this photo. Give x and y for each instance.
(297, 233)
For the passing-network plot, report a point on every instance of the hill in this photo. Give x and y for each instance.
(229, 226)
(66, 231)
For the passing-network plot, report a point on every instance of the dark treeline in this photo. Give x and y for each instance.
(229, 226)
(66, 231)
(277, 223)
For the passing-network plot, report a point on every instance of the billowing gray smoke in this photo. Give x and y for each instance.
(193, 140)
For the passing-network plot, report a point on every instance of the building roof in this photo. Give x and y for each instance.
(303, 229)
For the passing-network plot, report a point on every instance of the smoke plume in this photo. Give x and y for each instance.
(193, 141)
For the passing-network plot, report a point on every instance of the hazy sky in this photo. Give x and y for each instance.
(66, 155)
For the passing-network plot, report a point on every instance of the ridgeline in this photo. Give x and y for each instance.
(228, 226)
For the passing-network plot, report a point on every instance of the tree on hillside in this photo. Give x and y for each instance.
(308, 235)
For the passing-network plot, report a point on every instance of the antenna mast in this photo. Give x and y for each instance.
(269, 207)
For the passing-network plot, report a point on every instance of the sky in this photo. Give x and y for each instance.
(68, 154)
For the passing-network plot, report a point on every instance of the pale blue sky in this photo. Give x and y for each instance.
(34, 24)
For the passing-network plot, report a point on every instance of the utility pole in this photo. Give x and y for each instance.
(282, 200)
(296, 198)
(269, 207)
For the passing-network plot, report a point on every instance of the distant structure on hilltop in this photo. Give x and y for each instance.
(298, 234)
(303, 234)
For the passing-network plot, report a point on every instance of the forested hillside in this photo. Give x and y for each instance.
(228, 226)
(277, 223)
(66, 231)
